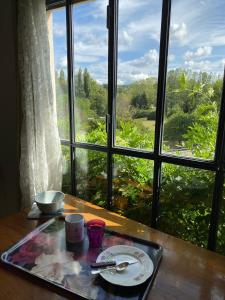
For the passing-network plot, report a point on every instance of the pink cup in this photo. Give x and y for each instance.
(95, 232)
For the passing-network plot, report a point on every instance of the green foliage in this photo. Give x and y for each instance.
(87, 83)
(148, 88)
(186, 90)
(201, 135)
(177, 125)
(185, 204)
(87, 88)
(152, 115)
(149, 114)
(191, 119)
(129, 135)
(98, 96)
(79, 84)
(140, 101)
(66, 182)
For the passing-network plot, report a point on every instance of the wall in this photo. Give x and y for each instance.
(9, 112)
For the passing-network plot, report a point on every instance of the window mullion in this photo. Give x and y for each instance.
(164, 39)
(70, 78)
(219, 178)
(112, 16)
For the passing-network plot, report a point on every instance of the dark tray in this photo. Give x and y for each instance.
(45, 254)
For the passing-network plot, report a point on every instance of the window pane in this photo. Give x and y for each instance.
(66, 183)
(194, 77)
(91, 176)
(91, 76)
(60, 61)
(132, 187)
(185, 203)
(138, 55)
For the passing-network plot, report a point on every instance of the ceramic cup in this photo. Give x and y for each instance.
(74, 226)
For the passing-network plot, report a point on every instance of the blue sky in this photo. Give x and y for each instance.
(197, 37)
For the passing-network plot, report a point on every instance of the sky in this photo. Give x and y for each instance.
(197, 37)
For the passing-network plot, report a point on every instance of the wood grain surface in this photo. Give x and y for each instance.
(186, 271)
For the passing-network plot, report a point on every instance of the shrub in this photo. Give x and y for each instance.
(142, 114)
(149, 114)
(152, 115)
(177, 125)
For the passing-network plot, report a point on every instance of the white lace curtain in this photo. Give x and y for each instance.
(40, 163)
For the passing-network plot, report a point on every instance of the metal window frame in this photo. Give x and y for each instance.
(217, 165)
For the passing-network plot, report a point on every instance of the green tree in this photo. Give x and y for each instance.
(201, 135)
(87, 83)
(98, 98)
(79, 86)
(62, 82)
(140, 101)
(177, 125)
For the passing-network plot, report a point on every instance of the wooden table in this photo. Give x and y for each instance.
(186, 271)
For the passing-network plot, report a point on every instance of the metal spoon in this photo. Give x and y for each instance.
(119, 268)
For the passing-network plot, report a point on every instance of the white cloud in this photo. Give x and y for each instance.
(178, 32)
(203, 65)
(62, 64)
(171, 57)
(94, 48)
(204, 22)
(199, 53)
(151, 57)
(139, 68)
(222, 62)
(127, 37)
(59, 30)
(215, 67)
(145, 28)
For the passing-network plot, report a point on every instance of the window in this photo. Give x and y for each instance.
(141, 110)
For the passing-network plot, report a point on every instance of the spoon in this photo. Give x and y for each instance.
(119, 268)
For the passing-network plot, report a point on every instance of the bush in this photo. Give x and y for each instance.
(152, 115)
(149, 114)
(177, 125)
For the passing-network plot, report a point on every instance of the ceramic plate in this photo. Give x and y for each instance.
(134, 274)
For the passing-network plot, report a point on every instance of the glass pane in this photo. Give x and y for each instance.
(91, 176)
(138, 56)
(60, 62)
(185, 203)
(221, 228)
(194, 77)
(132, 187)
(91, 76)
(66, 183)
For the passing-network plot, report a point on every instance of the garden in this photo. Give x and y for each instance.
(190, 127)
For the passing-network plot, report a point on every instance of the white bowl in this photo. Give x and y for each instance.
(49, 202)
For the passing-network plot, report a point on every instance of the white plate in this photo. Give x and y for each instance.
(134, 274)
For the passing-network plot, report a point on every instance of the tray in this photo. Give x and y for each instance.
(45, 254)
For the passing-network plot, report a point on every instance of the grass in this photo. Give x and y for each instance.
(148, 124)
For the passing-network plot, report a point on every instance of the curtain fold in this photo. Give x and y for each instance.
(41, 159)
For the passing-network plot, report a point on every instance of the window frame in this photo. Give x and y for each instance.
(217, 165)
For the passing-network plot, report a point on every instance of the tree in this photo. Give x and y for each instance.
(62, 82)
(177, 125)
(79, 87)
(201, 135)
(87, 83)
(140, 101)
(98, 98)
